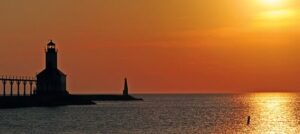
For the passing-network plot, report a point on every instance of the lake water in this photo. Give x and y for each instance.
(163, 114)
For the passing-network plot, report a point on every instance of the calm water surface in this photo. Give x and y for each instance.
(163, 114)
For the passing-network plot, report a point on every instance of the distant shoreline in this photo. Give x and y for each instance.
(52, 101)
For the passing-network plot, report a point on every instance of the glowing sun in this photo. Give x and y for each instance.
(272, 2)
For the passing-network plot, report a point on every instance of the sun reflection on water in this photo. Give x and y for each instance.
(273, 113)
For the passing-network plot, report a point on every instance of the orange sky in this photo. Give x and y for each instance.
(162, 46)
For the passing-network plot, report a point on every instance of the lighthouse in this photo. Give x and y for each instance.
(51, 81)
(125, 91)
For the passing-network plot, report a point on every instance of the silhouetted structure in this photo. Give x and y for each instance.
(248, 120)
(51, 81)
(125, 91)
(49, 88)
(18, 81)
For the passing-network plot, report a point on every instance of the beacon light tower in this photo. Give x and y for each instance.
(125, 91)
(51, 81)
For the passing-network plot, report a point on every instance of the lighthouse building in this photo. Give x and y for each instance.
(51, 81)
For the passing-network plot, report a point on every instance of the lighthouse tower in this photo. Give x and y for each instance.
(51, 56)
(125, 91)
(51, 81)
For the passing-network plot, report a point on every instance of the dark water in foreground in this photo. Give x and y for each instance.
(161, 114)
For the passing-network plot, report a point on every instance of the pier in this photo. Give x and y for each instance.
(15, 83)
(48, 88)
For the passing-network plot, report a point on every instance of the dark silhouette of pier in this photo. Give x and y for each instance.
(49, 88)
(18, 81)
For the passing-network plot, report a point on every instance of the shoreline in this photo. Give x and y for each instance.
(53, 101)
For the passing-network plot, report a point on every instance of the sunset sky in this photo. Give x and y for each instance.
(161, 46)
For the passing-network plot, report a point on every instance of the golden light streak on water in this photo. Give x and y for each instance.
(273, 113)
